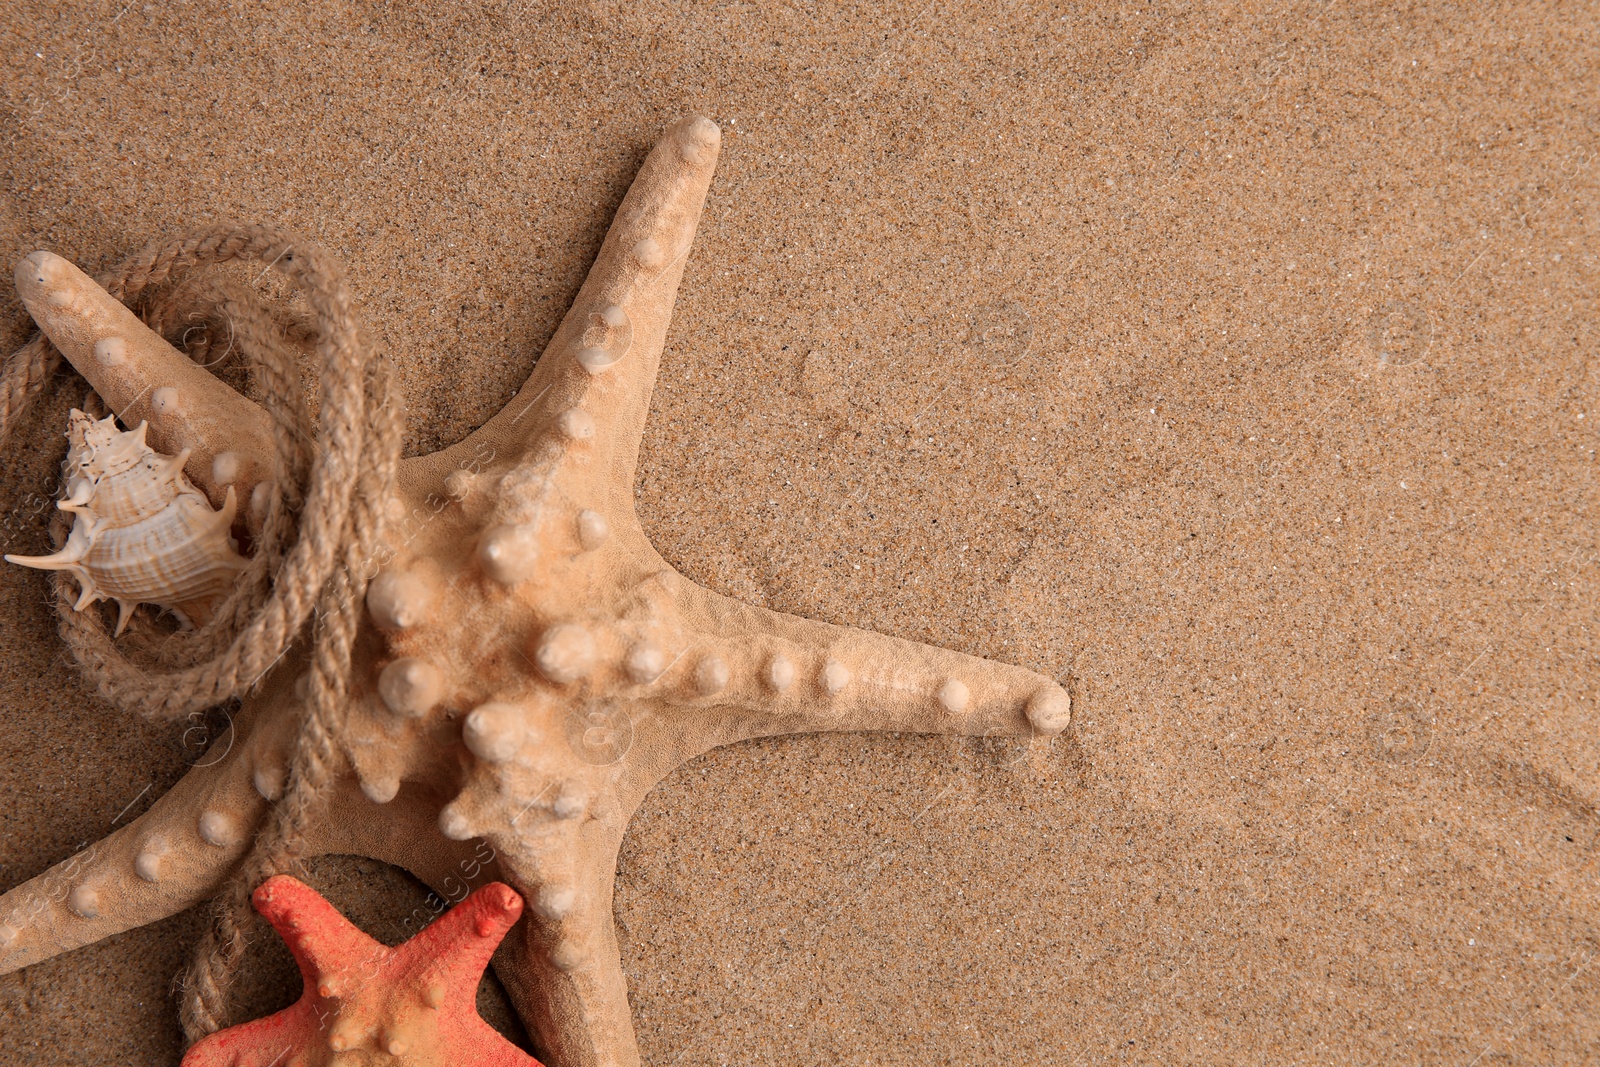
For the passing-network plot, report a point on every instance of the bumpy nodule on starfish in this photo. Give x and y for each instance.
(416, 1002)
(531, 665)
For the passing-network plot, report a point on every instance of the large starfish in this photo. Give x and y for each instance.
(532, 666)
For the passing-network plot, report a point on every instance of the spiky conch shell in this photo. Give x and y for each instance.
(141, 533)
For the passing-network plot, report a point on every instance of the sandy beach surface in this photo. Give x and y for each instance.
(1234, 364)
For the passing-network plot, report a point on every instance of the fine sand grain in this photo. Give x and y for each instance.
(1236, 366)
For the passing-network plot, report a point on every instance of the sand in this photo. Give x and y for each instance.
(1235, 365)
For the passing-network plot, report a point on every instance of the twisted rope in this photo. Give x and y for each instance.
(311, 559)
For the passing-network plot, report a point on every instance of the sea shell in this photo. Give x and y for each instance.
(142, 533)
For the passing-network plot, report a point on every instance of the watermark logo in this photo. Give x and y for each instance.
(207, 737)
(1001, 334)
(1400, 733)
(1399, 334)
(599, 734)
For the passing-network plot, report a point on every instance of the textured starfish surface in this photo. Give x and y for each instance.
(531, 666)
(415, 1004)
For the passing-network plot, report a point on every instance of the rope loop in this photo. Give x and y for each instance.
(311, 560)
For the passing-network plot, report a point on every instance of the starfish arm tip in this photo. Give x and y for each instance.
(492, 910)
(1049, 709)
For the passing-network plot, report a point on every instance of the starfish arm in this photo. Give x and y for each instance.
(326, 945)
(142, 378)
(465, 937)
(462, 941)
(564, 968)
(173, 856)
(596, 375)
(262, 1043)
(761, 673)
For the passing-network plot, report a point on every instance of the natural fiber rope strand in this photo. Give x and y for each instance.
(313, 555)
(203, 1006)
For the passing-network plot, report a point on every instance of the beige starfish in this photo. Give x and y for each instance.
(532, 666)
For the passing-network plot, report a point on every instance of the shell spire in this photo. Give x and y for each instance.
(141, 533)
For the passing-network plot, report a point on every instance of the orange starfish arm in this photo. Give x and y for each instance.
(324, 943)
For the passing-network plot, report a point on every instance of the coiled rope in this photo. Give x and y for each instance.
(311, 560)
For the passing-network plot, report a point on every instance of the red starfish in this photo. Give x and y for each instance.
(416, 1002)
